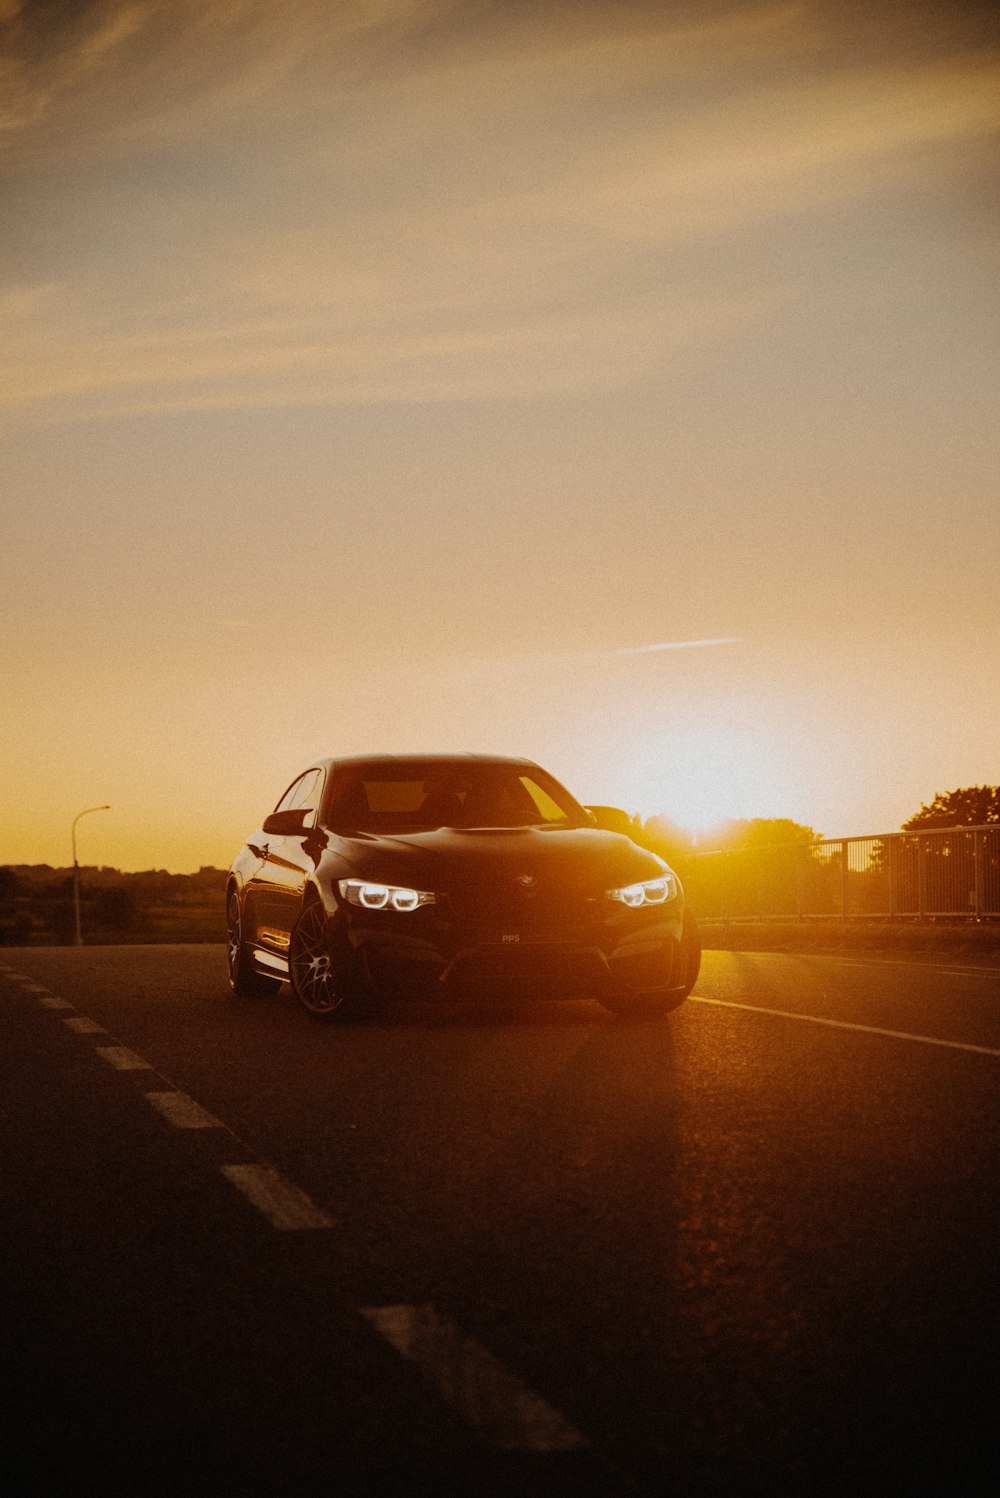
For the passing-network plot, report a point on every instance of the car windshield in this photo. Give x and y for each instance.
(416, 796)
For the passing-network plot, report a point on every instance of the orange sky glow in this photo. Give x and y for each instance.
(390, 375)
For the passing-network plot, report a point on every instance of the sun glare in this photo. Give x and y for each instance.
(703, 777)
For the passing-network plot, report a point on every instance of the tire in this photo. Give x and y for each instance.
(641, 1005)
(244, 979)
(632, 1005)
(691, 948)
(327, 988)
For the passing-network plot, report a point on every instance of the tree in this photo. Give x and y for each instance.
(663, 837)
(971, 806)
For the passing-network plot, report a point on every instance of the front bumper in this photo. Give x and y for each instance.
(427, 953)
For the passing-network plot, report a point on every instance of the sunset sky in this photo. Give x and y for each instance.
(383, 375)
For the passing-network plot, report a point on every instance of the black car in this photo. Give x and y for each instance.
(451, 875)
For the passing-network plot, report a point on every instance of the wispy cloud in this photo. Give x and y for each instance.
(383, 200)
(573, 661)
(672, 645)
(66, 347)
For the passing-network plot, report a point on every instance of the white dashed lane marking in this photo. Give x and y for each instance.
(121, 1058)
(284, 1205)
(503, 1412)
(182, 1111)
(843, 1024)
(497, 1406)
(35, 988)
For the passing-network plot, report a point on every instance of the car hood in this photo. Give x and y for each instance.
(453, 857)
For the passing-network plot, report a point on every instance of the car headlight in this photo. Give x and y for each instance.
(650, 892)
(372, 896)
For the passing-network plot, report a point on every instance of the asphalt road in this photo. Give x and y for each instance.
(749, 1248)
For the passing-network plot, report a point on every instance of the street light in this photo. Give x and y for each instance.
(77, 933)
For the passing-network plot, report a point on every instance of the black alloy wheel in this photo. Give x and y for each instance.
(244, 979)
(326, 989)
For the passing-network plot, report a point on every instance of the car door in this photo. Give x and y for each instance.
(281, 880)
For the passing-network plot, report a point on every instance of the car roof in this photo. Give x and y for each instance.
(403, 760)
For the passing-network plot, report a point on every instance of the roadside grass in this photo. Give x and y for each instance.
(931, 939)
(172, 923)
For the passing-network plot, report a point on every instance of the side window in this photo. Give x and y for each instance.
(303, 792)
(549, 809)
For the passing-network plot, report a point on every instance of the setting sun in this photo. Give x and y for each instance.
(700, 777)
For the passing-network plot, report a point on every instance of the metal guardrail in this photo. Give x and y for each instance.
(949, 872)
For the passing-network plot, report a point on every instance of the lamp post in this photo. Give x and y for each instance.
(77, 933)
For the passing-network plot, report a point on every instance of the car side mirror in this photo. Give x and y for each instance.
(287, 823)
(612, 819)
